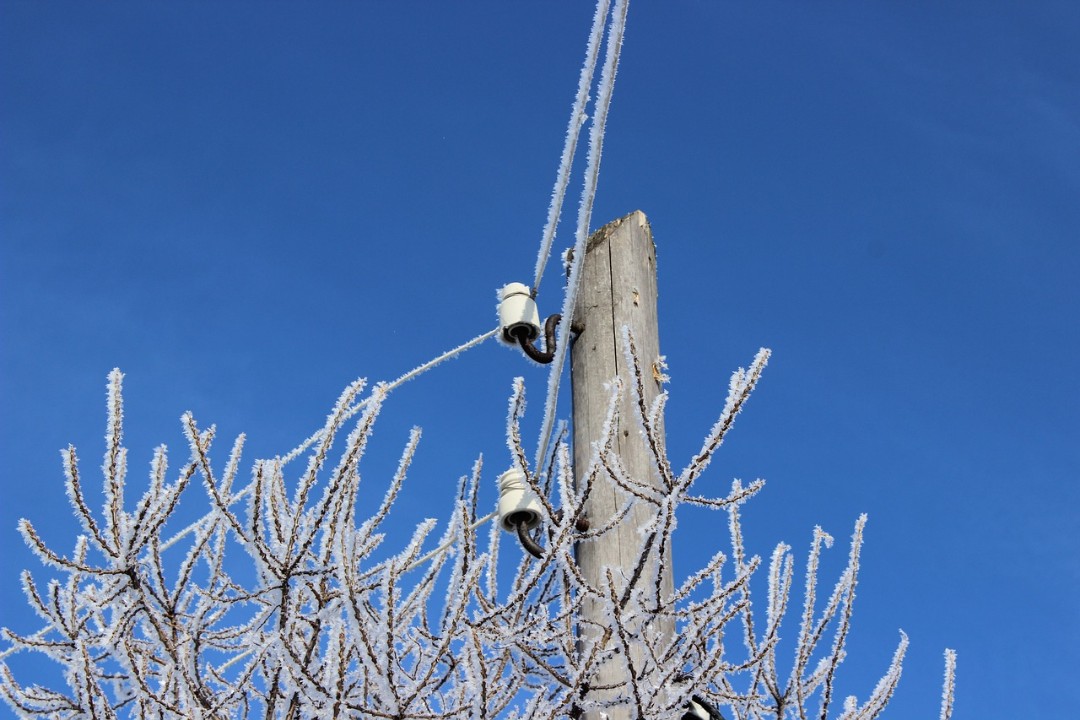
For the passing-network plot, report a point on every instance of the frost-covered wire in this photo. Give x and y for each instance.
(382, 390)
(573, 131)
(390, 386)
(449, 543)
(588, 194)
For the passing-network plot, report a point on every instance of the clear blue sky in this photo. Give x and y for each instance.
(244, 206)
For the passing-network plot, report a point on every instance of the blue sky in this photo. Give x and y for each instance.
(245, 206)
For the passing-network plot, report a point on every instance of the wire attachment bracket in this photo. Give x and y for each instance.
(546, 355)
(520, 323)
(527, 542)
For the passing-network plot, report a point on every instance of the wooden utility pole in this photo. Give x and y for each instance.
(618, 288)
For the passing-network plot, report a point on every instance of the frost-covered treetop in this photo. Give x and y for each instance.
(274, 604)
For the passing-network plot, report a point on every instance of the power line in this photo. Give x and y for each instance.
(573, 131)
(588, 194)
(380, 388)
(388, 387)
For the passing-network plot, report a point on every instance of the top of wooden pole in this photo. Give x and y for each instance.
(604, 234)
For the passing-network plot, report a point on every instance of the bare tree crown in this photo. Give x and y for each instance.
(273, 604)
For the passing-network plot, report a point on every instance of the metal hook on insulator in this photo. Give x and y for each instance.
(527, 542)
(520, 522)
(698, 708)
(525, 340)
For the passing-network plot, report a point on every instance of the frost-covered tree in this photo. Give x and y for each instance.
(279, 603)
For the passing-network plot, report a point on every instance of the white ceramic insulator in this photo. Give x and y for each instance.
(515, 496)
(517, 309)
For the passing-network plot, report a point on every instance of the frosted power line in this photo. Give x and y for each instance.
(449, 543)
(573, 131)
(380, 390)
(588, 194)
(388, 387)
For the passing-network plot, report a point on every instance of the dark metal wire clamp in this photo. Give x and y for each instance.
(520, 523)
(526, 540)
(545, 356)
